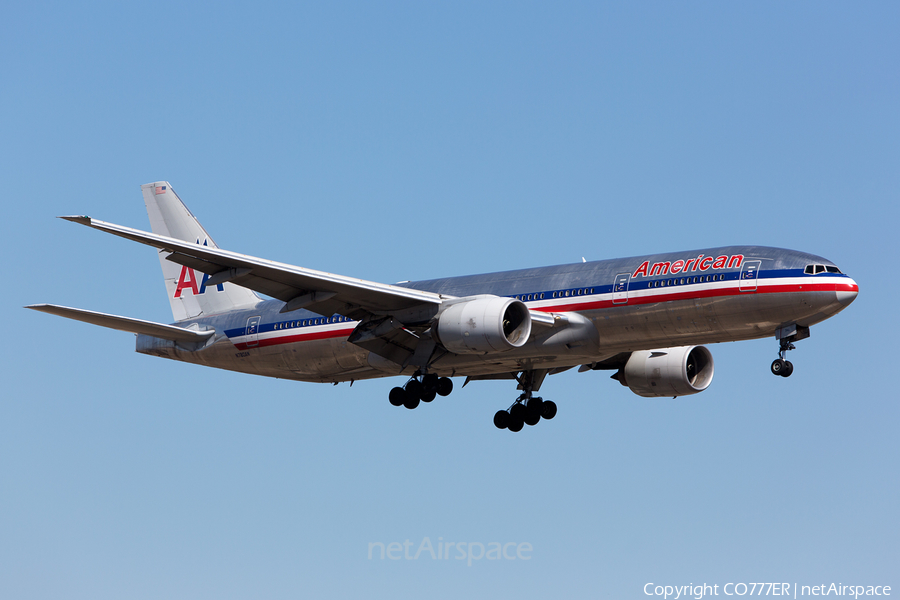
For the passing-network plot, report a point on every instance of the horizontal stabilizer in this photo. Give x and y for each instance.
(166, 332)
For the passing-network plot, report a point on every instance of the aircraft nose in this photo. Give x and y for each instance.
(846, 292)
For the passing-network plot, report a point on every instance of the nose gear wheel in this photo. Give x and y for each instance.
(781, 366)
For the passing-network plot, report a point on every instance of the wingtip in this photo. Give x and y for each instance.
(83, 220)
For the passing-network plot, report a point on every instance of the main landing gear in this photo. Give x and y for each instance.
(421, 388)
(527, 409)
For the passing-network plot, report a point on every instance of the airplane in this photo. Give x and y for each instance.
(645, 318)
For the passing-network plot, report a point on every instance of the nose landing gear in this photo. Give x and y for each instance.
(786, 336)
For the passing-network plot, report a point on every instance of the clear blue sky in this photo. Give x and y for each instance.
(405, 141)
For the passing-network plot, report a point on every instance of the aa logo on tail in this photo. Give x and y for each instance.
(188, 280)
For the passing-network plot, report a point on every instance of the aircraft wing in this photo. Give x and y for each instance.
(320, 292)
(166, 332)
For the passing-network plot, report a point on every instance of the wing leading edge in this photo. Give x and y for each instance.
(298, 287)
(393, 318)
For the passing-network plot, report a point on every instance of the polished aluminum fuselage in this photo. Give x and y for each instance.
(603, 308)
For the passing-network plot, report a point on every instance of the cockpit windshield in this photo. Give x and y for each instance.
(816, 269)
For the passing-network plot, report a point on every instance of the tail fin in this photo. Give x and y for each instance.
(186, 287)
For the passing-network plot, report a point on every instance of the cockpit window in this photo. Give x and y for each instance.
(816, 269)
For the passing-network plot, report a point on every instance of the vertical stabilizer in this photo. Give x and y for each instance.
(186, 288)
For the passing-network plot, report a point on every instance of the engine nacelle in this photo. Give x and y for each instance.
(483, 324)
(668, 371)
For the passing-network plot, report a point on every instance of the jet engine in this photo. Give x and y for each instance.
(668, 371)
(483, 324)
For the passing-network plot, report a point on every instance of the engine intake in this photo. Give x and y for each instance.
(483, 324)
(668, 371)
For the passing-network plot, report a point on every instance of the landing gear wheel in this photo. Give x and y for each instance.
(781, 366)
(428, 395)
(397, 396)
(548, 409)
(411, 401)
(444, 386)
(515, 423)
(533, 411)
(414, 389)
(501, 419)
(430, 381)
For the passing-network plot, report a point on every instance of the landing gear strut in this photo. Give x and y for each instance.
(780, 366)
(420, 388)
(786, 336)
(527, 409)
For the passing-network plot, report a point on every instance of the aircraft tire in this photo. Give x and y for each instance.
(778, 366)
(397, 396)
(444, 386)
(414, 389)
(532, 415)
(430, 381)
(788, 369)
(548, 409)
(428, 395)
(411, 401)
(515, 424)
(501, 419)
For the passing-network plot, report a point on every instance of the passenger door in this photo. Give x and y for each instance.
(620, 288)
(749, 275)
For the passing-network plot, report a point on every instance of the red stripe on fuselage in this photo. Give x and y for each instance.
(594, 305)
(299, 337)
(693, 294)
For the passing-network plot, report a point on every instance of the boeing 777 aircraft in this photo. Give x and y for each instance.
(641, 317)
